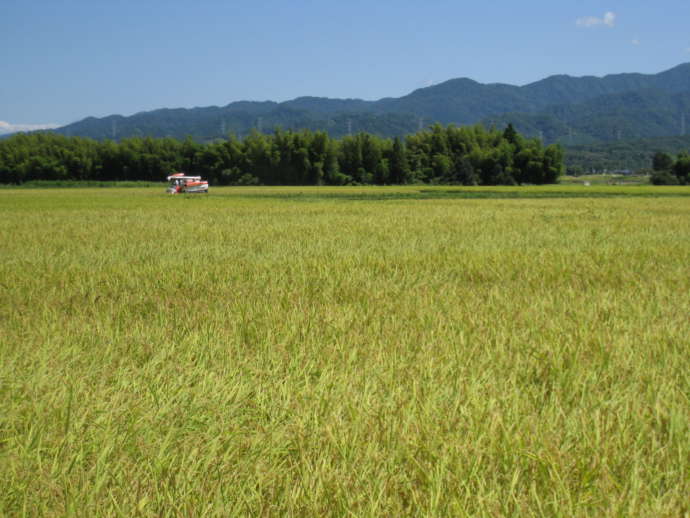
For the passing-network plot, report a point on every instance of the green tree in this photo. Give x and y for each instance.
(662, 162)
(399, 166)
(681, 169)
(510, 134)
(465, 173)
(468, 155)
(442, 167)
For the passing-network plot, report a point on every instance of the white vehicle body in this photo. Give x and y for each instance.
(181, 183)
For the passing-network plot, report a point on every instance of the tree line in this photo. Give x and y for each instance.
(635, 155)
(470, 155)
(671, 171)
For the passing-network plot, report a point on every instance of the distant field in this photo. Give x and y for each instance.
(60, 184)
(606, 179)
(364, 351)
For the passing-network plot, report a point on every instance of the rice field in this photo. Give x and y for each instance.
(362, 351)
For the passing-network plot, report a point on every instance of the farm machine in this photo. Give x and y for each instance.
(181, 183)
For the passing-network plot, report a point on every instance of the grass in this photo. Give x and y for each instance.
(336, 352)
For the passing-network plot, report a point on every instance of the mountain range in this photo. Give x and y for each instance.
(572, 110)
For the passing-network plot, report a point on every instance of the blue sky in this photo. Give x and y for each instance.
(62, 60)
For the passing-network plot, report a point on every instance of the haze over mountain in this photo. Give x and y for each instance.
(560, 108)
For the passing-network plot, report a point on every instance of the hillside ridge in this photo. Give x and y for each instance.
(533, 107)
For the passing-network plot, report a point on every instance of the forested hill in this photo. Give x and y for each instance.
(560, 108)
(614, 117)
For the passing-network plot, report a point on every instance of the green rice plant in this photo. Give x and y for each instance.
(362, 351)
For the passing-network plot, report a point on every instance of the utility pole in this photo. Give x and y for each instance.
(541, 135)
(222, 128)
(260, 124)
(420, 123)
(349, 127)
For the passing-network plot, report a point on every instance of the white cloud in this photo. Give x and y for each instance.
(609, 20)
(8, 127)
(635, 42)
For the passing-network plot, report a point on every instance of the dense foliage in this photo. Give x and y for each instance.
(452, 155)
(632, 155)
(670, 171)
